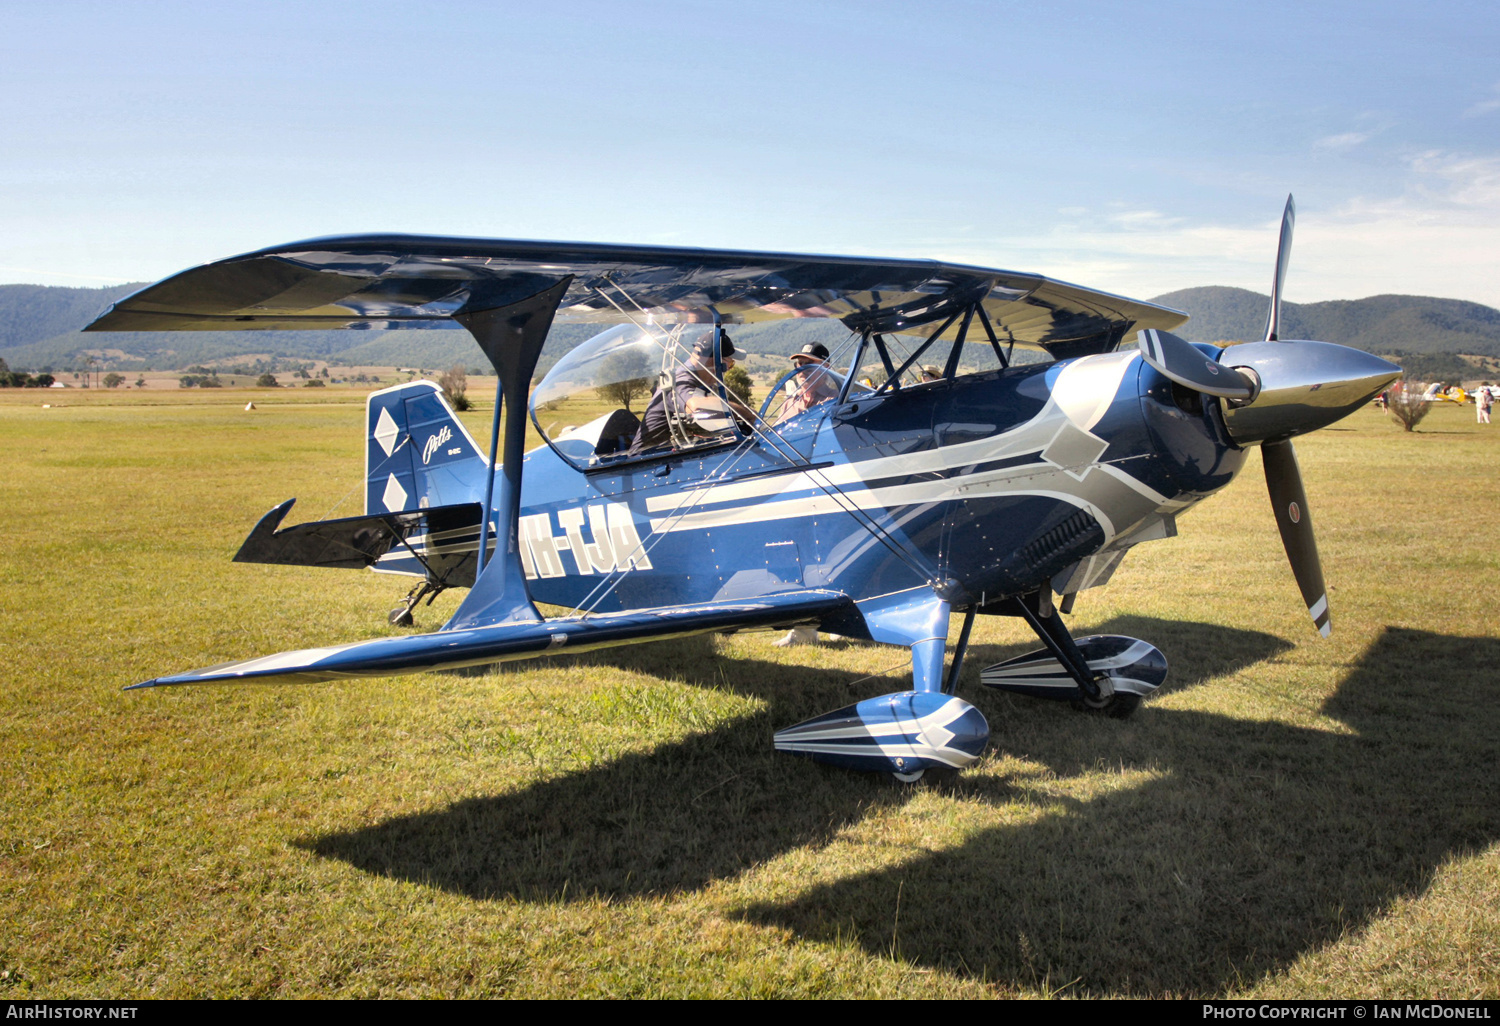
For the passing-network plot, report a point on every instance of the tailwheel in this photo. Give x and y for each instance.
(401, 615)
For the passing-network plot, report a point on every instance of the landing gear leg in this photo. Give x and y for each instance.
(950, 686)
(1099, 694)
(926, 677)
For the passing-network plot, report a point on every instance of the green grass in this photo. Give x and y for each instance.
(1289, 817)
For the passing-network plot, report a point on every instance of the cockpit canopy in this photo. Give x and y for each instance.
(590, 404)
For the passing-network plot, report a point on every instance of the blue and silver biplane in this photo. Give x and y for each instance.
(984, 484)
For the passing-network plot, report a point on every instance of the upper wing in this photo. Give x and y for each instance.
(413, 281)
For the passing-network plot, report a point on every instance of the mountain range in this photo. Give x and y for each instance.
(39, 329)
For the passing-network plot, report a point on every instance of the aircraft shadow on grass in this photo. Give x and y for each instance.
(1249, 844)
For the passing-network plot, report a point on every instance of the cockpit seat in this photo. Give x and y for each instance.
(617, 433)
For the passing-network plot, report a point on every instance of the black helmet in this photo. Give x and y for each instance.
(704, 347)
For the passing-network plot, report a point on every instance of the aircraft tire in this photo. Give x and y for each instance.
(1118, 706)
(930, 777)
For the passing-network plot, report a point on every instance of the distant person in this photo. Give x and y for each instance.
(695, 398)
(814, 383)
(1482, 403)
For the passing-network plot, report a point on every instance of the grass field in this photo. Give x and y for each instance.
(1288, 817)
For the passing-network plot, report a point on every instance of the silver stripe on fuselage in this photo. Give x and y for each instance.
(1082, 394)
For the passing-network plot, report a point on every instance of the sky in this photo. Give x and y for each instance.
(1133, 147)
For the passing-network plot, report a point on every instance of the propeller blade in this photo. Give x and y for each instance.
(1289, 500)
(1179, 360)
(1283, 257)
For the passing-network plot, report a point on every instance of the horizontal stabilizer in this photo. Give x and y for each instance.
(477, 646)
(443, 538)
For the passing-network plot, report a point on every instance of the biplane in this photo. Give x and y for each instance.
(1053, 429)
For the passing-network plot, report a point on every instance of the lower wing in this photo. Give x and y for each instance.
(476, 646)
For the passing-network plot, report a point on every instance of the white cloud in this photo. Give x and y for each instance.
(1136, 220)
(1439, 236)
(39, 276)
(1343, 141)
(1485, 106)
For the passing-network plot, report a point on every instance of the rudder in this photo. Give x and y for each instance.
(418, 454)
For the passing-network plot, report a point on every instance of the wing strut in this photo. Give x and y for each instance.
(512, 337)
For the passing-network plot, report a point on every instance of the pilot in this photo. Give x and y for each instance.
(695, 395)
(815, 381)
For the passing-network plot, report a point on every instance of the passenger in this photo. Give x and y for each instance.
(695, 398)
(815, 381)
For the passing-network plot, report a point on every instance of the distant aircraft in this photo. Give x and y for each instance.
(1436, 393)
(875, 513)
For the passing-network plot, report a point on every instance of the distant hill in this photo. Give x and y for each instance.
(1379, 324)
(39, 328)
(31, 313)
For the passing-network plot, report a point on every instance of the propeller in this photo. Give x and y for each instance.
(1179, 360)
(1289, 502)
(1283, 257)
(1283, 476)
(1272, 391)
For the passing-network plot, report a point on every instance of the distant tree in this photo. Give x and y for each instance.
(140, 382)
(266, 381)
(43, 380)
(113, 380)
(624, 378)
(1404, 402)
(737, 380)
(455, 385)
(313, 383)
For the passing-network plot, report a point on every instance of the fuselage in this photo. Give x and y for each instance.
(984, 486)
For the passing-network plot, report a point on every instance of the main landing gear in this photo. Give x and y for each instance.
(929, 732)
(1105, 674)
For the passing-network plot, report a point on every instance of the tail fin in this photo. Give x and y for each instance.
(417, 453)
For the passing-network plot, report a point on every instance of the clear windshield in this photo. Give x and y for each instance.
(590, 403)
(608, 397)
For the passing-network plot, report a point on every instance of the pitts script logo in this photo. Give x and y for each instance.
(615, 544)
(435, 442)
